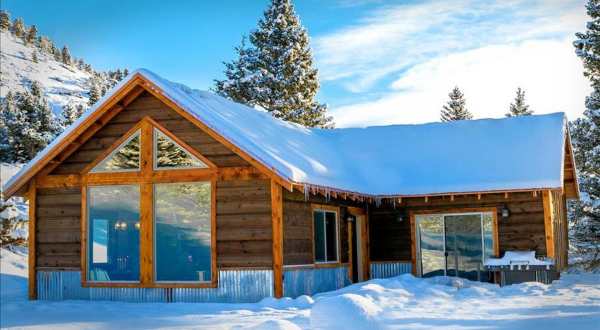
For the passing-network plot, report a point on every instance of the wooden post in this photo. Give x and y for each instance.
(146, 234)
(277, 223)
(350, 252)
(32, 283)
(548, 223)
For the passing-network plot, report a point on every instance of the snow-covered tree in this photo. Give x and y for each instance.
(519, 107)
(44, 44)
(65, 55)
(29, 122)
(34, 57)
(4, 20)
(9, 223)
(585, 132)
(456, 108)
(70, 113)
(31, 35)
(277, 72)
(18, 27)
(94, 94)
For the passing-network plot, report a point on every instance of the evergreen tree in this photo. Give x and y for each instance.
(277, 71)
(94, 94)
(6, 105)
(4, 20)
(18, 27)
(31, 35)
(456, 108)
(519, 108)
(56, 53)
(29, 122)
(66, 55)
(9, 224)
(44, 44)
(34, 57)
(585, 132)
(71, 113)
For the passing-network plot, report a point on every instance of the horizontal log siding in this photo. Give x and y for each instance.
(58, 231)
(244, 231)
(148, 105)
(561, 236)
(523, 230)
(298, 227)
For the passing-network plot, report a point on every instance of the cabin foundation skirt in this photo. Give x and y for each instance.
(299, 280)
(385, 269)
(234, 286)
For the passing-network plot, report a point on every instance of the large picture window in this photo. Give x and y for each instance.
(149, 213)
(325, 236)
(182, 227)
(114, 233)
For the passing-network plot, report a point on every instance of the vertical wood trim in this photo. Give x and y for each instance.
(277, 222)
(84, 237)
(413, 242)
(495, 235)
(147, 149)
(350, 252)
(548, 223)
(366, 248)
(146, 234)
(32, 283)
(213, 232)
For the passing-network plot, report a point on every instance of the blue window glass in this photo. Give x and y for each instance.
(182, 228)
(114, 233)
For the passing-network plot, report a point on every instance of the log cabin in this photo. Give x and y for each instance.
(164, 193)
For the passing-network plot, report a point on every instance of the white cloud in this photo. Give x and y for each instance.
(546, 69)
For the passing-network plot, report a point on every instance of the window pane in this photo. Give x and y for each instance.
(125, 158)
(331, 228)
(431, 243)
(319, 230)
(182, 232)
(488, 235)
(114, 236)
(171, 155)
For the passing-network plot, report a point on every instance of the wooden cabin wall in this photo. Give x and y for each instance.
(522, 230)
(561, 230)
(244, 229)
(148, 105)
(298, 226)
(58, 228)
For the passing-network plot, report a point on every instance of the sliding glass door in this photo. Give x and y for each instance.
(454, 244)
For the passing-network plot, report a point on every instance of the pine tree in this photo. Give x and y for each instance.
(71, 113)
(66, 55)
(56, 53)
(30, 123)
(585, 133)
(18, 27)
(45, 45)
(34, 57)
(277, 71)
(4, 20)
(94, 94)
(519, 108)
(456, 108)
(31, 35)
(8, 224)
(6, 106)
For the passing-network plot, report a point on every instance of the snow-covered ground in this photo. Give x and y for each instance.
(402, 302)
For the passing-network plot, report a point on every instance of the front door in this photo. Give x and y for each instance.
(454, 244)
(356, 242)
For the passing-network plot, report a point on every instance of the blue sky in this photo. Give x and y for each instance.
(380, 62)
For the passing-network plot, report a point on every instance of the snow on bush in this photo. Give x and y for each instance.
(345, 312)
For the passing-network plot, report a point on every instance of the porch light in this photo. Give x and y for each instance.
(505, 212)
(399, 218)
(350, 218)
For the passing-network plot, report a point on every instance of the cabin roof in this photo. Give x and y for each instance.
(484, 155)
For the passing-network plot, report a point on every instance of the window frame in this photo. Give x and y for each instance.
(113, 150)
(155, 166)
(415, 232)
(325, 209)
(146, 178)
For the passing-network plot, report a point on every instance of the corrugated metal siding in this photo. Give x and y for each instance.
(234, 286)
(389, 269)
(308, 281)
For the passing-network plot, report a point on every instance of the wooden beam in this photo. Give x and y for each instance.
(32, 281)
(413, 242)
(548, 222)
(59, 181)
(350, 252)
(277, 223)
(146, 235)
(240, 173)
(83, 233)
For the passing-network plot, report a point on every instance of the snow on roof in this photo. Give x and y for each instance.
(463, 156)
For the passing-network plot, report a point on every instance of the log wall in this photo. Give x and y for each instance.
(561, 230)
(522, 230)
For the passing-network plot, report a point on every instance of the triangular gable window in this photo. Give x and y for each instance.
(124, 158)
(170, 155)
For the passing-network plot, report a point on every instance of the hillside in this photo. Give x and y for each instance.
(62, 84)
